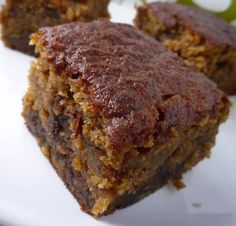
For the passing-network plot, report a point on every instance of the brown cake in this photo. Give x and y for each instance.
(20, 18)
(202, 39)
(116, 113)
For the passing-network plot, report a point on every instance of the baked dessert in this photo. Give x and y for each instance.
(20, 18)
(116, 113)
(202, 39)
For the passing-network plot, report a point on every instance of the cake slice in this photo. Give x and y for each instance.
(117, 114)
(20, 18)
(205, 41)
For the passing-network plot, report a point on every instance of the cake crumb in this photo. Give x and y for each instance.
(46, 151)
(100, 206)
(76, 164)
(178, 183)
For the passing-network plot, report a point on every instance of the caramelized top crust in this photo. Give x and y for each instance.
(139, 88)
(214, 30)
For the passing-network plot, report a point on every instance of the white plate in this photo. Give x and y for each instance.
(31, 194)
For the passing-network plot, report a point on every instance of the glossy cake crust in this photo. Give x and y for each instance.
(128, 95)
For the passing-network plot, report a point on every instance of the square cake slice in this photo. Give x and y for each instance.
(20, 18)
(205, 41)
(117, 114)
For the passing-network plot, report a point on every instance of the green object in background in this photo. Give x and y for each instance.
(143, 1)
(229, 14)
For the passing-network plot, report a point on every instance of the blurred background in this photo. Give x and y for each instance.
(212, 4)
(217, 5)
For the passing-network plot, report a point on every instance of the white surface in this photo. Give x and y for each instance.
(31, 194)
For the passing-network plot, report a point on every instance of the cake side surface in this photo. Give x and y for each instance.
(114, 111)
(192, 34)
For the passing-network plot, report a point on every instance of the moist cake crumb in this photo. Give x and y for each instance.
(119, 114)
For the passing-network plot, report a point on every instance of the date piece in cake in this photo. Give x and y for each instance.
(202, 39)
(117, 114)
(20, 18)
